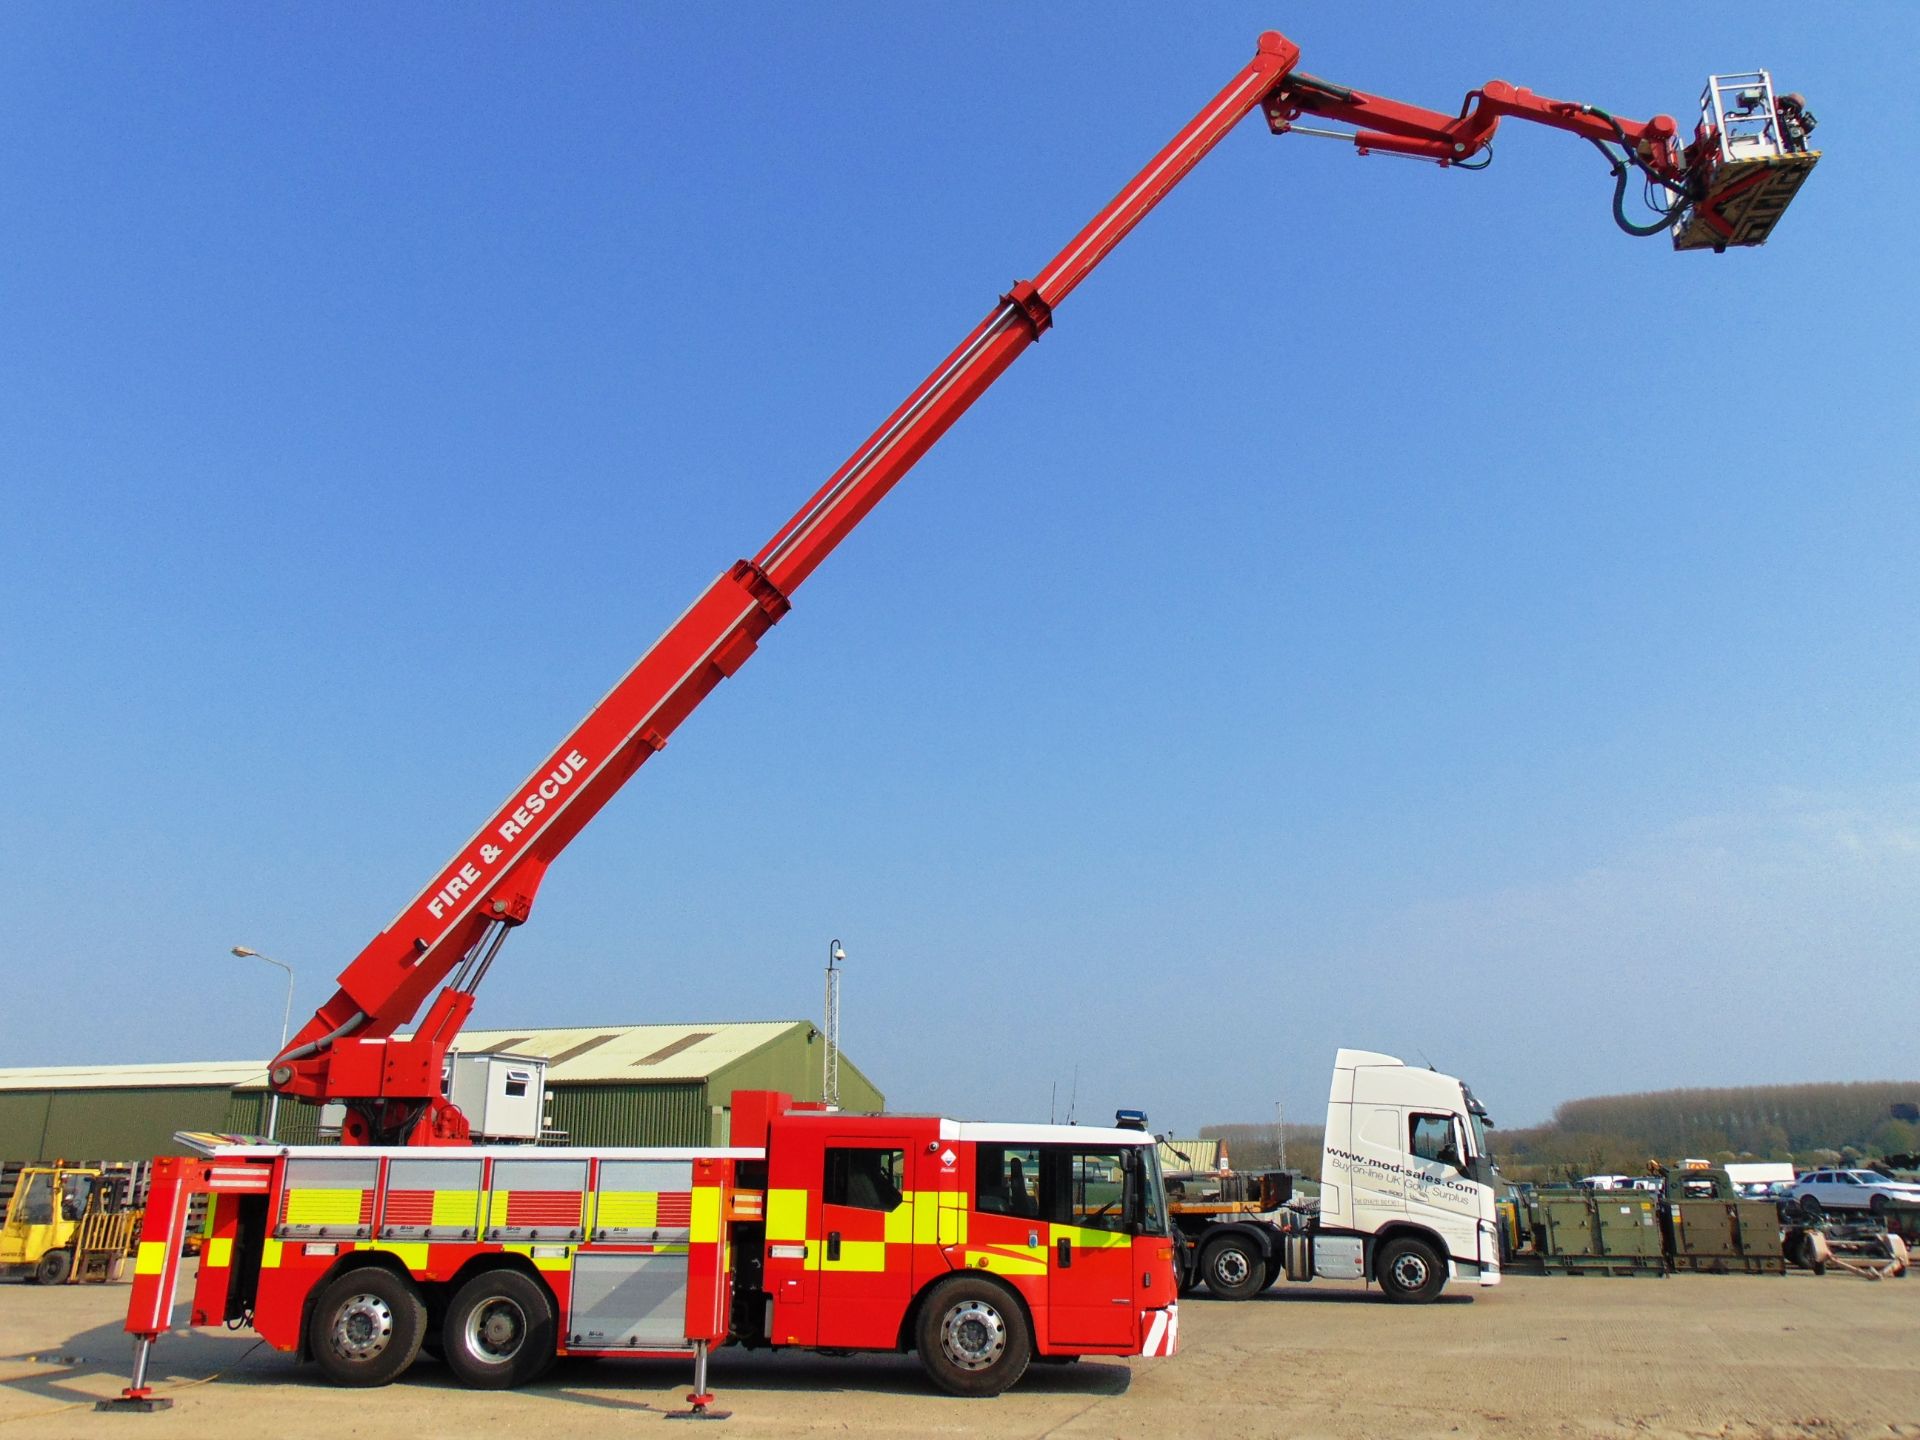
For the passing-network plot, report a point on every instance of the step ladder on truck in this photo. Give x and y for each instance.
(356, 1052)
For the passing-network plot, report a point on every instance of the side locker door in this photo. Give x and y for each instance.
(862, 1240)
(1090, 1284)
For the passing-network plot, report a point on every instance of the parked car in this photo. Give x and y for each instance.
(1819, 1190)
(1606, 1182)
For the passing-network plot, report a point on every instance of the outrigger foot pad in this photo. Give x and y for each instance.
(130, 1402)
(702, 1409)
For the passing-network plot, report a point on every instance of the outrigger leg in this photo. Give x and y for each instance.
(701, 1401)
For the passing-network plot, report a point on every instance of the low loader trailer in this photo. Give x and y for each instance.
(1407, 1196)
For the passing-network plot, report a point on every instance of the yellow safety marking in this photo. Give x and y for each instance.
(628, 1210)
(497, 1208)
(953, 1218)
(705, 1227)
(270, 1255)
(899, 1228)
(150, 1258)
(1006, 1264)
(926, 1217)
(868, 1256)
(560, 1263)
(218, 1252)
(323, 1207)
(1085, 1237)
(410, 1253)
(213, 1205)
(455, 1209)
(786, 1215)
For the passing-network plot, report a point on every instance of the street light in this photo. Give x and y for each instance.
(286, 1019)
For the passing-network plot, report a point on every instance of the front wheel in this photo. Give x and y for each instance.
(499, 1331)
(972, 1337)
(1409, 1271)
(1811, 1207)
(1234, 1268)
(54, 1267)
(1877, 1205)
(366, 1326)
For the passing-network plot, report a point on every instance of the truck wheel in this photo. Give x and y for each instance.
(366, 1326)
(54, 1267)
(1409, 1272)
(1276, 1267)
(499, 1331)
(972, 1337)
(1233, 1268)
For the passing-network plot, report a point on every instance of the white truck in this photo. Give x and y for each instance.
(1407, 1191)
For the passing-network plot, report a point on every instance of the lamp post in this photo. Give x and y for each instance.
(286, 1019)
(830, 1061)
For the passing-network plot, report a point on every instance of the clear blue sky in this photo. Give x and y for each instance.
(1391, 609)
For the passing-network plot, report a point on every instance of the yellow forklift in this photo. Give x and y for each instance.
(68, 1223)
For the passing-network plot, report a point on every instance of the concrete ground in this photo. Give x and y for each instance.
(1694, 1356)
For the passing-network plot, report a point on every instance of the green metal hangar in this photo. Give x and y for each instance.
(605, 1085)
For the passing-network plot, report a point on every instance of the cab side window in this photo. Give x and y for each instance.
(1430, 1137)
(1096, 1189)
(864, 1179)
(1007, 1180)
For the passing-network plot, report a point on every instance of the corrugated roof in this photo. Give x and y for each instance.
(576, 1055)
(220, 1073)
(588, 1053)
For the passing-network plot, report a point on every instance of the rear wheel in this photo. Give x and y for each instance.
(972, 1337)
(1811, 1207)
(1233, 1267)
(54, 1267)
(366, 1326)
(1409, 1271)
(499, 1331)
(1878, 1205)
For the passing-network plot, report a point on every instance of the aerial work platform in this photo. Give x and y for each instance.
(1750, 156)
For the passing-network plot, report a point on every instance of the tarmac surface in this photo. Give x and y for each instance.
(1694, 1356)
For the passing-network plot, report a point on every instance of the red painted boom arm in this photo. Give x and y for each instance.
(448, 934)
(452, 927)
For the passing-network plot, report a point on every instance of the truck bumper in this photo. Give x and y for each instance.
(1160, 1331)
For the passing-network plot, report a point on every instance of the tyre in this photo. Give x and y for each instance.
(972, 1337)
(1276, 1267)
(54, 1267)
(1409, 1271)
(499, 1331)
(1811, 1207)
(366, 1327)
(1877, 1205)
(1233, 1267)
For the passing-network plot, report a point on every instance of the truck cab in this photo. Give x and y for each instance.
(1407, 1180)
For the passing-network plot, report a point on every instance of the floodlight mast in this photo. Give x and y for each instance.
(449, 934)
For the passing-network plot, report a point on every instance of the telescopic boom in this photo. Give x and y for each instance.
(449, 934)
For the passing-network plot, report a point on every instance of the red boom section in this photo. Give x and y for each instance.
(453, 927)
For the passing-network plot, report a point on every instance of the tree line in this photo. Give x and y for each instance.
(1818, 1124)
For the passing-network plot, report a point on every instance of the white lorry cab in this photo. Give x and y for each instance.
(1406, 1180)
(1406, 1200)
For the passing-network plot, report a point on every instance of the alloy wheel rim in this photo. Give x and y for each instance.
(362, 1328)
(973, 1335)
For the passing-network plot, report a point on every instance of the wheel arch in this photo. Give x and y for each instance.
(352, 1260)
(1405, 1229)
(910, 1321)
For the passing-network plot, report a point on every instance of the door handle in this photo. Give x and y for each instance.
(833, 1245)
(1065, 1248)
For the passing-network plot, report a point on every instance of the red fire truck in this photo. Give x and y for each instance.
(1005, 1241)
(981, 1246)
